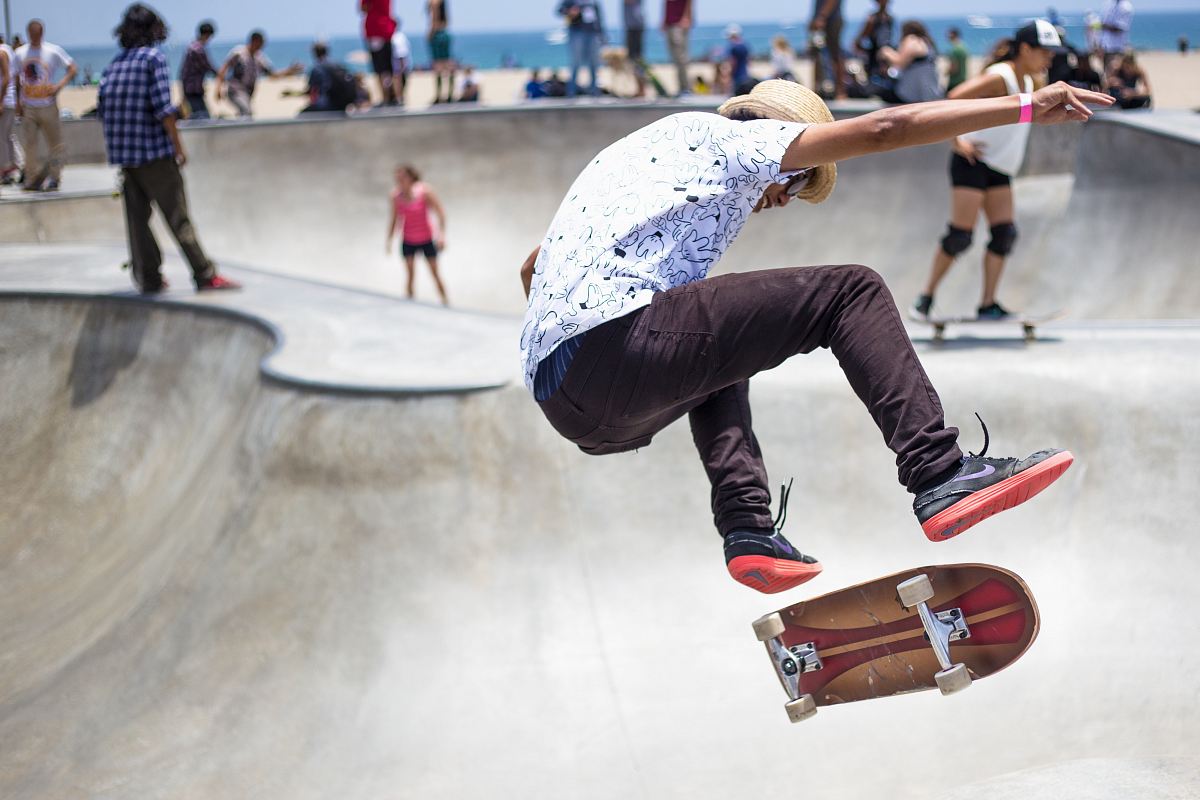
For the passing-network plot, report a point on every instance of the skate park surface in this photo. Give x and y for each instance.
(311, 540)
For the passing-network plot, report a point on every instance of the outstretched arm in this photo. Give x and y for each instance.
(927, 123)
(527, 269)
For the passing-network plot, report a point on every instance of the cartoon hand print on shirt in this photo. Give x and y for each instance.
(695, 132)
(652, 247)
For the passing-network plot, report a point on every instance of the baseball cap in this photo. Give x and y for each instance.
(1040, 33)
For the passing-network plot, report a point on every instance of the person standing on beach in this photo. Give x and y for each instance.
(677, 27)
(412, 201)
(36, 66)
(982, 164)
(825, 31)
(1115, 24)
(401, 62)
(633, 15)
(959, 59)
(878, 32)
(378, 27)
(8, 115)
(195, 68)
(585, 28)
(140, 133)
(439, 49)
(241, 70)
(625, 333)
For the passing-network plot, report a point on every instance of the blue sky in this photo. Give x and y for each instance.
(80, 22)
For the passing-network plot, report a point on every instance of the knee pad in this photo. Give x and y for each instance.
(956, 240)
(1003, 238)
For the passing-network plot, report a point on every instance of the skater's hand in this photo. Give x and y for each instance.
(1059, 102)
(441, 243)
(971, 151)
(180, 157)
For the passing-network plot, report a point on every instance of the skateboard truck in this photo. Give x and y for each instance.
(940, 629)
(790, 664)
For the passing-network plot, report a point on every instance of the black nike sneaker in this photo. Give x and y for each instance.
(985, 486)
(763, 560)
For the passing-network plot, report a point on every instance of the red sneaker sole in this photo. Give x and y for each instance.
(1008, 493)
(771, 575)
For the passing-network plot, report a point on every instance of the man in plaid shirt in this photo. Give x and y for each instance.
(142, 138)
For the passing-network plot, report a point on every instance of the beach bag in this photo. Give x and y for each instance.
(343, 90)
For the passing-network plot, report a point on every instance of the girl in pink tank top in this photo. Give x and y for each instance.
(412, 201)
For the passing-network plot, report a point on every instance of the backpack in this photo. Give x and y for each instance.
(343, 89)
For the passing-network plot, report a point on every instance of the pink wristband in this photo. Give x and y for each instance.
(1026, 107)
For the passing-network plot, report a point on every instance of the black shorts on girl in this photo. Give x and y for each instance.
(428, 248)
(975, 176)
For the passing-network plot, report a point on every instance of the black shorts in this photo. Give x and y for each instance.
(975, 176)
(381, 59)
(428, 248)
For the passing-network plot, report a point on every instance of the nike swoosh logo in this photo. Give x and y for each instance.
(757, 575)
(785, 547)
(988, 469)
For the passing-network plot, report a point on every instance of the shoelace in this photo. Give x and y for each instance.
(785, 491)
(986, 439)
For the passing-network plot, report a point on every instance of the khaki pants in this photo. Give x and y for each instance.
(8, 148)
(677, 44)
(159, 183)
(43, 119)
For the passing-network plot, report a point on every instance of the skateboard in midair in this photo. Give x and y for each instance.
(1029, 322)
(938, 627)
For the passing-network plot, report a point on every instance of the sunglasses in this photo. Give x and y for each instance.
(797, 182)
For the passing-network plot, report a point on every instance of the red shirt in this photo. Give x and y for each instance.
(378, 23)
(673, 13)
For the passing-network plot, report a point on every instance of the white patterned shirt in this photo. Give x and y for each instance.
(652, 211)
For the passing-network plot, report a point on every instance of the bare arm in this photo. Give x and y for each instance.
(527, 269)
(927, 123)
(822, 16)
(172, 130)
(391, 231)
(986, 85)
(436, 205)
(72, 71)
(3, 68)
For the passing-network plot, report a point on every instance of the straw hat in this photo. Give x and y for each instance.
(791, 102)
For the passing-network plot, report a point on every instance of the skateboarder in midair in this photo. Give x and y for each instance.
(624, 333)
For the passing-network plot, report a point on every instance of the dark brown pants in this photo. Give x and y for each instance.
(159, 183)
(694, 348)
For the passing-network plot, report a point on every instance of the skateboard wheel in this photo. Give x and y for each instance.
(915, 590)
(768, 627)
(801, 708)
(954, 679)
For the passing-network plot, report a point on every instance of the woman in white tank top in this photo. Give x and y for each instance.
(982, 164)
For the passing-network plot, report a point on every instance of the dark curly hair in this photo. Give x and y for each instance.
(140, 27)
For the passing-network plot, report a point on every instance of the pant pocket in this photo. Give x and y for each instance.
(675, 367)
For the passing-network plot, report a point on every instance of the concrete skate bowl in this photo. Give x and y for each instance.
(221, 586)
(1104, 212)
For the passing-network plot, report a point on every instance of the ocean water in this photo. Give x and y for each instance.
(1151, 31)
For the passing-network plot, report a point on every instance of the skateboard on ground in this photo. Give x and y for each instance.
(933, 627)
(1028, 322)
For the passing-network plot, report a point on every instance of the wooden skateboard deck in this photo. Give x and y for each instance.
(1029, 322)
(863, 642)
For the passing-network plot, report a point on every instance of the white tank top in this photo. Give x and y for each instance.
(8, 93)
(1004, 147)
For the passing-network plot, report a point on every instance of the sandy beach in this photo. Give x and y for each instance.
(1174, 78)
